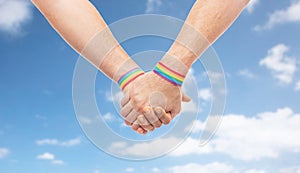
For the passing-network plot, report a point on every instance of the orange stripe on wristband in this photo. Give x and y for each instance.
(169, 74)
(130, 76)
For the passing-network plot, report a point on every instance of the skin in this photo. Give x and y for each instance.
(77, 22)
(211, 18)
(71, 17)
(152, 117)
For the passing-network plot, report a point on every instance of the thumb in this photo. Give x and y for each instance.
(185, 98)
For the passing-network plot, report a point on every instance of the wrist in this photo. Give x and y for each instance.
(127, 73)
(181, 53)
(172, 70)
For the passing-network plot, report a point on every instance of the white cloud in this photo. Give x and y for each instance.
(85, 120)
(297, 87)
(109, 117)
(290, 170)
(252, 4)
(155, 170)
(145, 149)
(189, 107)
(69, 143)
(288, 15)
(40, 117)
(205, 94)
(254, 171)
(13, 14)
(281, 65)
(3, 152)
(153, 5)
(215, 167)
(197, 126)
(187, 87)
(190, 146)
(96, 171)
(189, 82)
(47, 142)
(215, 77)
(265, 135)
(116, 98)
(246, 73)
(129, 170)
(198, 168)
(58, 162)
(50, 157)
(46, 156)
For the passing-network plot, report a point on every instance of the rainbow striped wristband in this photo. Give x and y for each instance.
(129, 77)
(168, 74)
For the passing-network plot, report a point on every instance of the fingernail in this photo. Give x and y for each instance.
(142, 120)
(140, 131)
(158, 111)
(147, 111)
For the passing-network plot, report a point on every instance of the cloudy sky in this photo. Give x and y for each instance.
(260, 54)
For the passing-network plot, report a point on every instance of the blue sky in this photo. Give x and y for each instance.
(260, 54)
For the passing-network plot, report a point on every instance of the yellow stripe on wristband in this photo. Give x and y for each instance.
(169, 74)
(129, 77)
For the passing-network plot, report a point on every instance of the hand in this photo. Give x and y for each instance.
(165, 98)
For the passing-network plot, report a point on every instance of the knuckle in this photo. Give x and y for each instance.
(130, 119)
(127, 123)
(166, 122)
(138, 104)
(139, 107)
(158, 124)
(122, 112)
(151, 128)
(134, 127)
(152, 119)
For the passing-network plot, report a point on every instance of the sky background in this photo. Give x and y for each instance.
(260, 54)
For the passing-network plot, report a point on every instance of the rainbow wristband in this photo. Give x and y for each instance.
(168, 74)
(129, 77)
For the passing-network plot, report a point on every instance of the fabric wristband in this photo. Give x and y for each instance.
(130, 76)
(168, 74)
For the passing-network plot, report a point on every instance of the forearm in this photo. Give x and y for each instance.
(80, 24)
(207, 21)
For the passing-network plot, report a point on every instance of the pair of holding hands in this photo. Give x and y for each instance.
(150, 100)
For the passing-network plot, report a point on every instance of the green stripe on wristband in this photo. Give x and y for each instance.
(169, 74)
(129, 77)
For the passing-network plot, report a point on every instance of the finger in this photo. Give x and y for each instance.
(125, 100)
(143, 122)
(126, 110)
(174, 112)
(132, 116)
(162, 115)
(136, 127)
(185, 98)
(151, 117)
(142, 131)
(128, 123)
